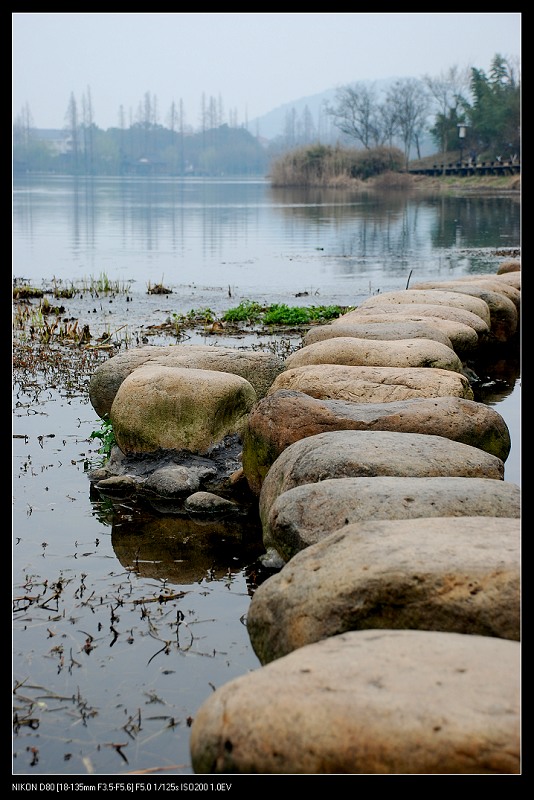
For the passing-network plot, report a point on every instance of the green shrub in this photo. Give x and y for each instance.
(325, 313)
(281, 314)
(370, 163)
(247, 311)
(253, 313)
(321, 165)
(107, 438)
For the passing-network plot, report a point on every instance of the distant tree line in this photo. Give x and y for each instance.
(485, 107)
(144, 146)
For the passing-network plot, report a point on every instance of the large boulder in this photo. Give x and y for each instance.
(370, 453)
(413, 310)
(512, 278)
(503, 310)
(258, 368)
(509, 265)
(463, 338)
(286, 416)
(370, 702)
(307, 513)
(478, 283)
(457, 574)
(384, 332)
(168, 408)
(372, 384)
(353, 352)
(473, 305)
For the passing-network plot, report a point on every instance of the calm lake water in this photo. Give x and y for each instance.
(256, 239)
(108, 676)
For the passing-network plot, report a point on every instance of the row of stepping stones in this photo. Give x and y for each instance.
(390, 639)
(379, 485)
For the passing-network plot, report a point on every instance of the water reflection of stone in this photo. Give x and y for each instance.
(180, 549)
(498, 371)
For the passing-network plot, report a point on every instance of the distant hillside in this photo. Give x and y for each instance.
(271, 125)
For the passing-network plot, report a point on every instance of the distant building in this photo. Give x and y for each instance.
(59, 141)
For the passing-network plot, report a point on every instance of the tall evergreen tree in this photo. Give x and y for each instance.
(494, 115)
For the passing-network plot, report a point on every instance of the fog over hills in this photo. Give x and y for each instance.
(273, 124)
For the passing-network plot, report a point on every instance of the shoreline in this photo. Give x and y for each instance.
(408, 182)
(510, 184)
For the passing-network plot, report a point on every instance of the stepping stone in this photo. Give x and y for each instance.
(456, 574)
(369, 702)
(306, 514)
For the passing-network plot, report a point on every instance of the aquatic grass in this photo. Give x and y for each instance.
(158, 288)
(281, 347)
(195, 316)
(38, 366)
(33, 323)
(249, 311)
(107, 439)
(104, 285)
(60, 290)
(26, 292)
(282, 314)
(21, 316)
(66, 292)
(254, 313)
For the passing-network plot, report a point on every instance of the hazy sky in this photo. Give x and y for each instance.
(252, 62)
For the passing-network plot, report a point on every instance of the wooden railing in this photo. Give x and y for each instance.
(469, 168)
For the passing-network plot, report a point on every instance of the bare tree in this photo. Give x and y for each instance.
(212, 113)
(290, 127)
(387, 127)
(122, 136)
(147, 117)
(409, 105)
(176, 122)
(232, 117)
(308, 126)
(22, 127)
(356, 113)
(324, 123)
(181, 128)
(203, 113)
(447, 91)
(71, 118)
(172, 118)
(88, 130)
(220, 110)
